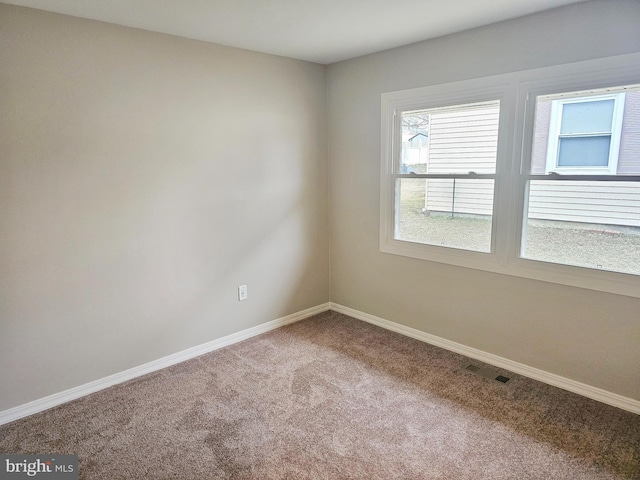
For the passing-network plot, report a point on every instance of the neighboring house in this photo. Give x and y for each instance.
(460, 142)
(415, 154)
(595, 135)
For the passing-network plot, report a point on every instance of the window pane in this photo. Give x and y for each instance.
(584, 223)
(457, 139)
(587, 117)
(415, 142)
(584, 151)
(445, 212)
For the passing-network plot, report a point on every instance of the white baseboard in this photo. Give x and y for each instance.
(56, 399)
(585, 390)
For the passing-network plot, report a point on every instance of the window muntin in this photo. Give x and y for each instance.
(445, 180)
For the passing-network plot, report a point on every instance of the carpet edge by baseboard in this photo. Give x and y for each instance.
(74, 393)
(594, 393)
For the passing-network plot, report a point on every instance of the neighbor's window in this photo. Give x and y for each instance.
(584, 132)
(445, 181)
(583, 204)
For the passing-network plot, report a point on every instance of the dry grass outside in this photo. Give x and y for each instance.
(603, 247)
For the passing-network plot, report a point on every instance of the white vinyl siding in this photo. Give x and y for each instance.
(462, 142)
(474, 198)
(586, 202)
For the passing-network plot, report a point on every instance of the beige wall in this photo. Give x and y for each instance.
(143, 177)
(584, 335)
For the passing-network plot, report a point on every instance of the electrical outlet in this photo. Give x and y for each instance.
(242, 292)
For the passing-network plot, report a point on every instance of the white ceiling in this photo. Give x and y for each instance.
(322, 31)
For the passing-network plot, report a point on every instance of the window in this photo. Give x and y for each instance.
(534, 174)
(584, 132)
(450, 177)
(587, 212)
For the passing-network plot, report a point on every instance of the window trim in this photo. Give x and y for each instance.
(515, 92)
(557, 107)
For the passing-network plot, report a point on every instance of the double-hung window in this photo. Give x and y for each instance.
(432, 191)
(450, 172)
(584, 132)
(582, 195)
(534, 174)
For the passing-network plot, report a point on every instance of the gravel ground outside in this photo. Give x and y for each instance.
(604, 247)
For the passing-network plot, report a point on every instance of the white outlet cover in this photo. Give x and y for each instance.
(242, 292)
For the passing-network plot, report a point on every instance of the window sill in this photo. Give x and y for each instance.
(604, 281)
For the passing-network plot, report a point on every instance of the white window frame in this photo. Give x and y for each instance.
(614, 147)
(393, 105)
(517, 93)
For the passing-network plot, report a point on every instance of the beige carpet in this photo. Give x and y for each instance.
(331, 398)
